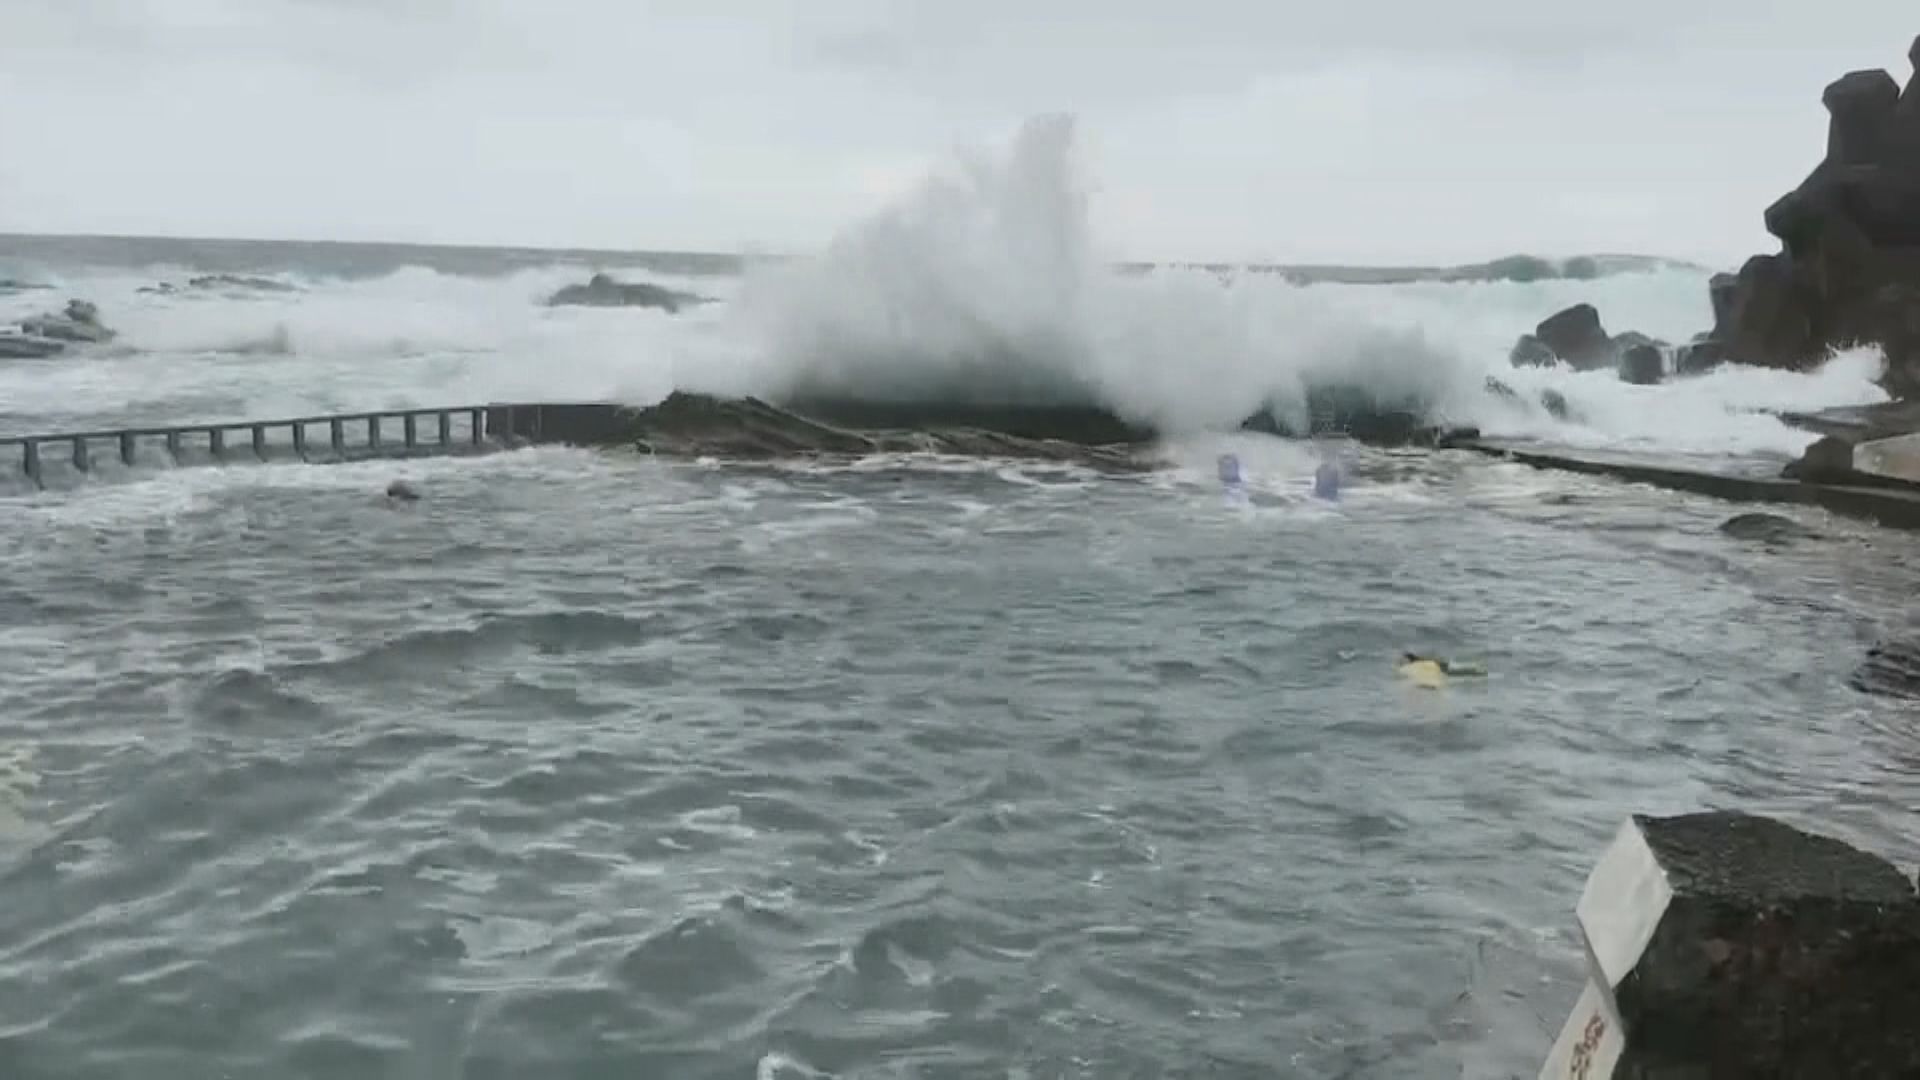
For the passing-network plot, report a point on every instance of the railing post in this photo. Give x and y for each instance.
(30, 462)
(260, 441)
(446, 428)
(410, 426)
(126, 449)
(217, 443)
(337, 430)
(173, 445)
(479, 432)
(300, 440)
(82, 455)
(373, 431)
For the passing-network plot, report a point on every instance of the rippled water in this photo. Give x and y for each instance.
(592, 766)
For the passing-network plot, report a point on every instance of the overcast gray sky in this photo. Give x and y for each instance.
(1336, 130)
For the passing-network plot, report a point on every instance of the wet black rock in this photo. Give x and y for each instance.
(1770, 529)
(1643, 365)
(1530, 351)
(1699, 356)
(1828, 460)
(1891, 669)
(1848, 272)
(1576, 336)
(604, 291)
(79, 324)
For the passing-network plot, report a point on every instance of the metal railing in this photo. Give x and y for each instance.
(262, 444)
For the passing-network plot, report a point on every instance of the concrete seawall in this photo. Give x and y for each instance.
(1891, 506)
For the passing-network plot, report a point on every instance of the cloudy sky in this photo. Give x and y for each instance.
(1357, 131)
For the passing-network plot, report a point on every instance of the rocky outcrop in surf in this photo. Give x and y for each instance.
(1577, 338)
(692, 425)
(1891, 669)
(602, 290)
(1848, 272)
(52, 333)
(229, 284)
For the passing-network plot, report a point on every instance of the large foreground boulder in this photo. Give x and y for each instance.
(603, 291)
(1724, 944)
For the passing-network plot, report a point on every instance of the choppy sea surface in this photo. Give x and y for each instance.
(593, 765)
(588, 766)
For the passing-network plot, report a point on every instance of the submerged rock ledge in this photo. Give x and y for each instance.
(688, 424)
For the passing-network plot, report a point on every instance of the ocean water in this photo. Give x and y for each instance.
(590, 765)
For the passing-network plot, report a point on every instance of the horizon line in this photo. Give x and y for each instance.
(557, 249)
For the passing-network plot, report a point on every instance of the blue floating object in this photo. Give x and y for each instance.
(1326, 481)
(1230, 472)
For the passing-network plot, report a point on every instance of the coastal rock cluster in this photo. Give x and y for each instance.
(1847, 274)
(52, 333)
(1577, 338)
(602, 290)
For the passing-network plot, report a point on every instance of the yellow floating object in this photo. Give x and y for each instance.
(1427, 672)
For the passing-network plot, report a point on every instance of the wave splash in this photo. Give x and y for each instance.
(985, 286)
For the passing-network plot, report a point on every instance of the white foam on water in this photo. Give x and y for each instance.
(985, 283)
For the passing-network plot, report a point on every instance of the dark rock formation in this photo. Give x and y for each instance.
(1860, 423)
(698, 425)
(1891, 669)
(50, 334)
(1769, 529)
(1576, 336)
(1848, 272)
(1530, 351)
(1643, 365)
(603, 291)
(1699, 356)
(17, 346)
(79, 323)
(1551, 400)
(1724, 944)
(1556, 404)
(1829, 460)
(401, 491)
(239, 282)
